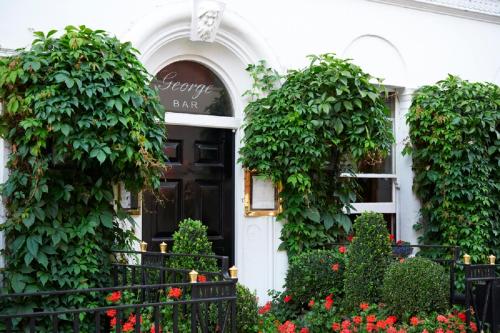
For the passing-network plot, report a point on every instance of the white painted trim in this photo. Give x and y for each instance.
(379, 207)
(442, 9)
(197, 120)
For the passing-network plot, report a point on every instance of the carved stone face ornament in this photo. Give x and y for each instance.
(207, 15)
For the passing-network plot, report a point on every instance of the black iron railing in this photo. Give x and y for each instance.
(482, 295)
(147, 296)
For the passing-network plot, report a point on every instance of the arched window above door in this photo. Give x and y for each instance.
(190, 87)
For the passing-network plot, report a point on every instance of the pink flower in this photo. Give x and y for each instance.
(304, 330)
(357, 320)
(414, 321)
(439, 330)
(336, 327)
(392, 329)
(335, 267)
(346, 324)
(311, 303)
(442, 319)
(329, 302)
(287, 298)
(111, 313)
(342, 249)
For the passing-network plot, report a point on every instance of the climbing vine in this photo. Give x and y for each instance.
(304, 130)
(455, 147)
(79, 117)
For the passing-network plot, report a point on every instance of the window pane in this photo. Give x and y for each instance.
(372, 166)
(190, 87)
(375, 190)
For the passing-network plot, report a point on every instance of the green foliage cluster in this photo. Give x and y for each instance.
(417, 285)
(192, 238)
(315, 275)
(79, 117)
(246, 310)
(455, 147)
(304, 133)
(367, 260)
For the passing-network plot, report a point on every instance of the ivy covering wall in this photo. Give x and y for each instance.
(79, 117)
(304, 130)
(455, 147)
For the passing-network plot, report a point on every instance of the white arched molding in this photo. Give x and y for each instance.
(380, 57)
(163, 37)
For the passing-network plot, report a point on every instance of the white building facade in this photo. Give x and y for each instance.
(408, 43)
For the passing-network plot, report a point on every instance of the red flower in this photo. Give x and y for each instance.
(371, 318)
(370, 327)
(392, 329)
(335, 267)
(114, 297)
(202, 278)
(345, 330)
(363, 306)
(342, 249)
(346, 324)
(175, 293)
(287, 298)
(473, 327)
(349, 238)
(152, 330)
(128, 327)
(287, 327)
(381, 324)
(442, 319)
(265, 309)
(336, 327)
(391, 320)
(357, 320)
(113, 322)
(111, 313)
(304, 330)
(439, 330)
(329, 302)
(311, 303)
(391, 237)
(462, 316)
(414, 321)
(425, 331)
(402, 330)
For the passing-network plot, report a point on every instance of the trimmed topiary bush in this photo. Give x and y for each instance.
(417, 285)
(246, 310)
(314, 275)
(191, 238)
(367, 259)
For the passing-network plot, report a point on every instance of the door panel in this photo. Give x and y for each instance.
(199, 184)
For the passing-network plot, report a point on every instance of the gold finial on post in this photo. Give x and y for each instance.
(233, 272)
(193, 276)
(466, 259)
(163, 247)
(144, 246)
(492, 259)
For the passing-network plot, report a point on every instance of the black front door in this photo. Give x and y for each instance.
(199, 185)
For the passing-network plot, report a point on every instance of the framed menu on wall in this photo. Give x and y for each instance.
(261, 195)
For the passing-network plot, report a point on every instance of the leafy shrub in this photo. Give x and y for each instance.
(367, 259)
(191, 238)
(246, 310)
(328, 113)
(455, 151)
(417, 285)
(314, 275)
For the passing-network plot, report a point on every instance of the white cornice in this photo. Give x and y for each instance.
(480, 10)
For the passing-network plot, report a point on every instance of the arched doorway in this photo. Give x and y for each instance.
(199, 182)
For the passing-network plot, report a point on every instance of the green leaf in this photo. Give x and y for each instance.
(18, 284)
(32, 245)
(338, 125)
(65, 129)
(344, 221)
(42, 259)
(327, 221)
(107, 219)
(28, 222)
(101, 156)
(312, 213)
